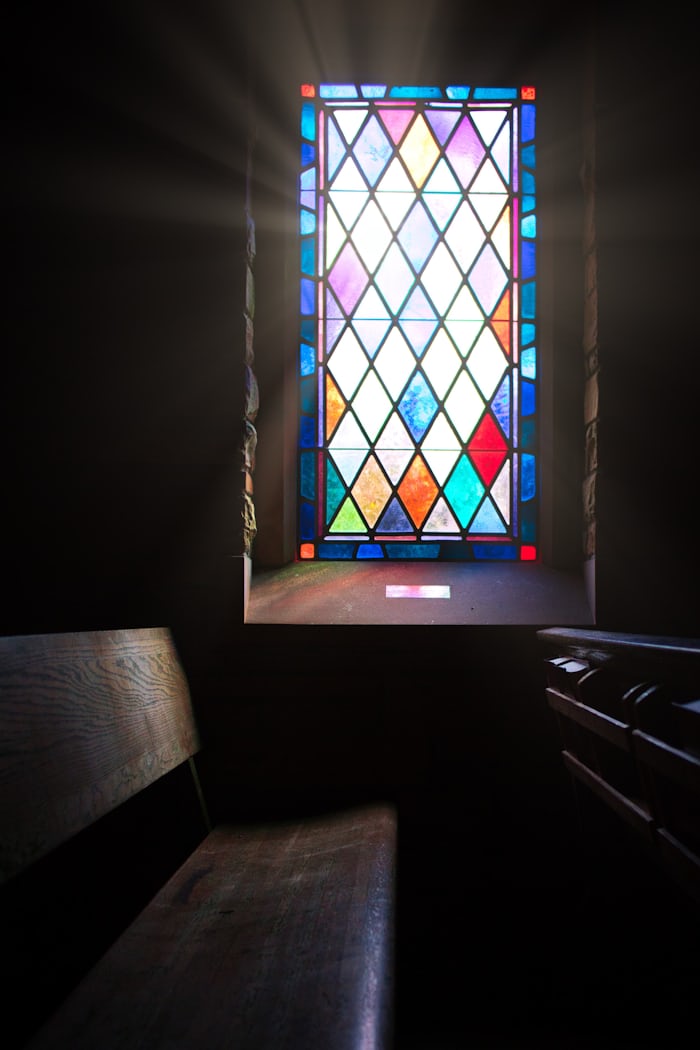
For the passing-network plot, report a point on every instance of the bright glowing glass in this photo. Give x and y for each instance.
(418, 313)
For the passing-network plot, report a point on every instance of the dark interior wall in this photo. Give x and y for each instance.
(122, 389)
(122, 404)
(647, 250)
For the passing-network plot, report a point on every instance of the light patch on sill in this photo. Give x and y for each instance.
(419, 590)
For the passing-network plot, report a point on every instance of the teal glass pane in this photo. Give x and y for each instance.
(527, 434)
(307, 473)
(527, 297)
(495, 93)
(307, 179)
(336, 551)
(528, 226)
(307, 221)
(337, 91)
(527, 180)
(307, 257)
(403, 550)
(527, 156)
(307, 359)
(417, 223)
(308, 121)
(528, 363)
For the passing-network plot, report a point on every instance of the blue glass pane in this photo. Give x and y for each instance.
(308, 121)
(527, 122)
(308, 154)
(494, 552)
(308, 296)
(307, 432)
(370, 550)
(394, 519)
(527, 398)
(501, 406)
(528, 481)
(528, 204)
(307, 359)
(306, 521)
(528, 334)
(308, 330)
(458, 92)
(487, 520)
(527, 259)
(418, 406)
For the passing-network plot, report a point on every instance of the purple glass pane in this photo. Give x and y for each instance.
(348, 278)
(487, 279)
(465, 152)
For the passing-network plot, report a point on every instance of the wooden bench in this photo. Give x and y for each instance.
(277, 935)
(628, 712)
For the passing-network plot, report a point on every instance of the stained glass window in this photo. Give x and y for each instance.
(417, 299)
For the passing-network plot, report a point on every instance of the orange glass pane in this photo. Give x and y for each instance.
(418, 490)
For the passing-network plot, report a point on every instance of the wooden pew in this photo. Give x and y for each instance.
(628, 711)
(276, 935)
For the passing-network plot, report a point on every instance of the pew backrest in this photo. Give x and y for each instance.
(86, 721)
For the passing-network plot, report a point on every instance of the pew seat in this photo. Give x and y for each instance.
(268, 936)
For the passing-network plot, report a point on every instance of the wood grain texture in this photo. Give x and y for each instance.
(86, 721)
(269, 938)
